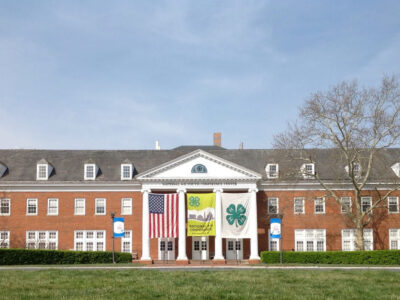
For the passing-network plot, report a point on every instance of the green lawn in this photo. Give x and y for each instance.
(228, 284)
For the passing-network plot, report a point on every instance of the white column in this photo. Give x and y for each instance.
(254, 225)
(145, 227)
(182, 226)
(218, 225)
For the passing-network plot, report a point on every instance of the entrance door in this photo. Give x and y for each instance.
(166, 248)
(234, 249)
(200, 248)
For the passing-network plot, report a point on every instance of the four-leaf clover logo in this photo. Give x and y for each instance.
(236, 214)
(194, 201)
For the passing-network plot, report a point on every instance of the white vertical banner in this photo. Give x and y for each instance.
(235, 215)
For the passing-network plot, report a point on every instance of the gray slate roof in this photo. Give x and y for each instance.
(68, 164)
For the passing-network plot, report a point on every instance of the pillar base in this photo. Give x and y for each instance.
(146, 261)
(254, 261)
(182, 262)
(219, 261)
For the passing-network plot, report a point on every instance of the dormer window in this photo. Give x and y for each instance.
(272, 170)
(356, 169)
(43, 170)
(90, 171)
(308, 170)
(126, 171)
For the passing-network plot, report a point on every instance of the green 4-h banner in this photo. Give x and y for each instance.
(235, 215)
(201, 214)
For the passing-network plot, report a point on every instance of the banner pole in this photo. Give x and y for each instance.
(112, 218)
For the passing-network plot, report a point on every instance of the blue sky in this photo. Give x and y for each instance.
(122, 74)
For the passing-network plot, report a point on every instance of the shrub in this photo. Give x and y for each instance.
(49, 257)
(378, 257)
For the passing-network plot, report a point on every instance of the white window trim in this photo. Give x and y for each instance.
(370, 203)
(277, 205)
(397, 201)
(9, 207)
(130, 173)
(37, 171)
(303, 206)
(341, 204)
(304, 239)
(46, 240)
(95, 240)
(6, 241)
(37, 207)
(315, 205)
(122, 207)
(270, 240)
(124, 239)
(94, 172)
(95, 207)
(308, 175)
(397, 238)
(84, 206)
(276, 175)
(48, 207)
(352, 238)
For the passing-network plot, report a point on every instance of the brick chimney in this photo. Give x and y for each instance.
(217, 139)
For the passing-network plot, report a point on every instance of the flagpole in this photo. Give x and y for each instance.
(112, 218)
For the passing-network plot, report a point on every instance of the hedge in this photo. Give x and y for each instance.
(49, 257)
(377, 257)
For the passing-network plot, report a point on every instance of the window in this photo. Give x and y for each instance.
(393, 204)
(313, 239)
(356, 169)
(90, 172)
(42, 240)
(42, 171)
(126, 206)
(126, 242)
(308, 170)
(366, 204)
(196, 245)
(100, 206)
(272, 205)
(199, 168)
(319, 205)
(346, 203)
(90, 240)
(4, 239)
(203, 245)
(5, 207)
(31, 207)
(394, 239)
(349, 239)
(273, 243)
(79, 207)
(52, 206)
(126, 172)
(230, 245)
(299, 205)
(272, 170)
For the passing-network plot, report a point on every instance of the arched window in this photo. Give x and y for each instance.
(199, 169)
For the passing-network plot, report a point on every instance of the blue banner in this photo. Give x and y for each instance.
(119, 230)
(275, 229)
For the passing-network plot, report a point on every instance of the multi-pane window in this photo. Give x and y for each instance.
(31, 206)
(126, 241)
(90, 240)
(366, 203)
(52, 206)
(42, 240)
(356, 169)
(5, 207)
(349, 239)
(203, 245)
(42, 172)
(319, 205)
(100, 206)
(90, 172)
(273, 205)
(393, 204)
(79, 207)
(126, 171)
(272, 170)
(196, 245)
(345, 204)
(126, 206)
(299, 205)
(394, 239)
(308, 170)
(4, 239)
(310, 239)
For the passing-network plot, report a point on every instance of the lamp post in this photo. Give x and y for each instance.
(112, 220)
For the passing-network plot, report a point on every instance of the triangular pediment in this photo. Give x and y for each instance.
(199, 165)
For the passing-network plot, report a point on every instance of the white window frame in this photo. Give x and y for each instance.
(5, 243)
(96, 205)
(272, 175)
(310, 235)
(394, 236)
(370, 203)
(127, 239)
(27, 206)
(323, 205)
(48, 207)
(397, 205)
(9, 206)
(84, 240)
(308, 174)
(130, 171)
(86, 177)
(302, 206)
(123, 212)
(277, 205)
(37, 240)
(38, 177)
(84, 206)
(343, 211)
(351, 238)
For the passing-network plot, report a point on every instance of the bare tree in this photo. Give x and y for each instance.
(358, 123)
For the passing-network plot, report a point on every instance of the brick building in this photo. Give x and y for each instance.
(62, 199)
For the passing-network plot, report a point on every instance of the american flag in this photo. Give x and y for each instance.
(163, 213)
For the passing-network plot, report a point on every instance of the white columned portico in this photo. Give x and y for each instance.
(218, 225)
(182, 257)
(254, 227)
(145, 227)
